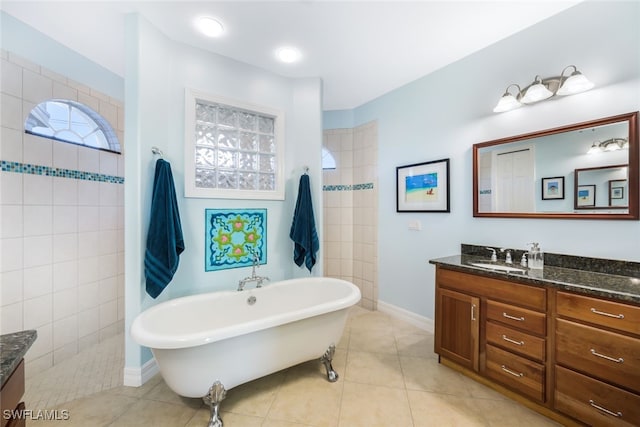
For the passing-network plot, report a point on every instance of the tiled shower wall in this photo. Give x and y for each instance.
(62, 222)
(351, 209)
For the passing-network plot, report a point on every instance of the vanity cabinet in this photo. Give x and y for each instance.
(597, 360)
(494, 327)
(572, 357)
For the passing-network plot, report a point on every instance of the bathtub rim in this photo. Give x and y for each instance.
(159, 341)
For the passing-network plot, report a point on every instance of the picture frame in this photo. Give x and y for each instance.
(617, 192)
(585, 196)
(423, 187)
(553, 188)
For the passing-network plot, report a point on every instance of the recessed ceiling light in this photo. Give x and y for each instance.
(210, 27)
(288, 54)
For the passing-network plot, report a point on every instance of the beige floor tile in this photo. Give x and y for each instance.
(309, 400)
(443, 410)
(372, 406)
(100, 409)
(417, 345)
(253, 398)
(374, 369)
(150, 413)
(373, 340)
(505, 411)
(370, 320)
(280, 423)
(229, 419)
(428, 375)
(162, 393)
(138, 391)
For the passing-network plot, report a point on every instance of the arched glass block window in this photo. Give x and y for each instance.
(328, 161)
(70, 121)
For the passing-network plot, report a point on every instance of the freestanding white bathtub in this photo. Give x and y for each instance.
(229, 338)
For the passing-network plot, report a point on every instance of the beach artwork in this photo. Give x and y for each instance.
(421, 188)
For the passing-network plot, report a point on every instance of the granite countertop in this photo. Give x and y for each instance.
(13, 347)
(607, 285)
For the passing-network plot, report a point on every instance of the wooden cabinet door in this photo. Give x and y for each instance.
(457, 327)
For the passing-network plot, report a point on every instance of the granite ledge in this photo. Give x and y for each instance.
(13, 347)
(611, 286)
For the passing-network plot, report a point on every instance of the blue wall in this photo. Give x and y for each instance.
(159, 71)
(31, 44)
(443, 114)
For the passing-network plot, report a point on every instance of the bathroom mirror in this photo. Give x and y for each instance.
(585, 170)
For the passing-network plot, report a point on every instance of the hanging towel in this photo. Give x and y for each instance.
(303, 230)
(164, 240)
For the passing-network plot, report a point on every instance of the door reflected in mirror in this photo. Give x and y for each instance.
(526, 175)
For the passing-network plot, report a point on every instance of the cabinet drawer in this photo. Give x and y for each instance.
(623, 317)
(516, 341)
(606, 355)
(510, 292)
(594, 402)
(516, 372)
(527, 320)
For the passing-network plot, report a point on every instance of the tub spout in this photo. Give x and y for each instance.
(326, 359)
(254, 277)
(216, 394)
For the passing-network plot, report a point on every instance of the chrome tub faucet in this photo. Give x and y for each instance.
(253, 278)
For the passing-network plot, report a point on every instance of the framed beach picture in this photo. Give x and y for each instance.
(423, 187)
(585, 196)
(553, 188)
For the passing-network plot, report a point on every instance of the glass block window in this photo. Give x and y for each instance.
(72, 122)
(233, 150)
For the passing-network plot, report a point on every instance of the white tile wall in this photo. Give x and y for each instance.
(350, 217)
(62, 239)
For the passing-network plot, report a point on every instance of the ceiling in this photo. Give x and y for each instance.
(360, 49)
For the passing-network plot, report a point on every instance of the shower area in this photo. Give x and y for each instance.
(62, 235)
(350, 193)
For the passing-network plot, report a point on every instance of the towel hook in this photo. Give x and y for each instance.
(306, 170)
(156, 150)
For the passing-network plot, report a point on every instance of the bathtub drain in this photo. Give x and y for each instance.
(251, 300)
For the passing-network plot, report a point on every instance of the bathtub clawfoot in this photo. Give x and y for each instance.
(326, 359)
(217, 393)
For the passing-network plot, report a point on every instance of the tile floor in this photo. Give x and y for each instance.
(389, 376)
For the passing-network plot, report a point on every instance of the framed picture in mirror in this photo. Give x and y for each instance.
(585, 196)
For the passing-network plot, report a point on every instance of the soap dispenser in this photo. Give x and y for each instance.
(536, 257)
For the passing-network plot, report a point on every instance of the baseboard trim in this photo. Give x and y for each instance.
(135, 377)
(415, 319)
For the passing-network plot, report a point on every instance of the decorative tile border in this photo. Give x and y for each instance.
(348, 187)
(58, 172)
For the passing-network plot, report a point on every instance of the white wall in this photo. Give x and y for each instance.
(443, 114)
(159, 70)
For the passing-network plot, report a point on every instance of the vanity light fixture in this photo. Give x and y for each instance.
(209, 26)
(544, 88)
(611, 144)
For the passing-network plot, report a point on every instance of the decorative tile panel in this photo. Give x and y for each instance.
(233, 236)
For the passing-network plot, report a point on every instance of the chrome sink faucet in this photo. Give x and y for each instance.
(507, 258)
(494, 257)
(253, 278)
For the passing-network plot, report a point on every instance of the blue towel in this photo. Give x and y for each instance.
(303, 230)
(164, 240)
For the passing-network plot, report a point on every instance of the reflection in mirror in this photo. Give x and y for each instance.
(526, 175)
(594, 187)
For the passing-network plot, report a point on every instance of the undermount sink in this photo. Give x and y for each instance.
(498, 267)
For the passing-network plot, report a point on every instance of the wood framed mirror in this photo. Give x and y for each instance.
(586, 170)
